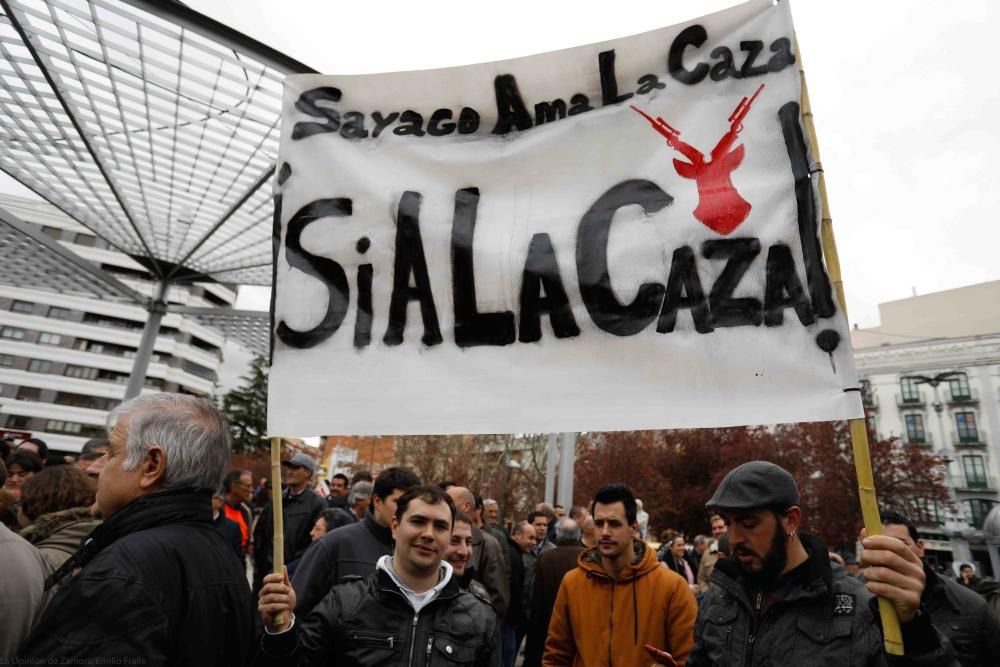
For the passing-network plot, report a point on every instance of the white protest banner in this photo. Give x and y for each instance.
(623, 235)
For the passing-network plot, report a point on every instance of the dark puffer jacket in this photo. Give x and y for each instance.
(343, 554)
(964, 618)
(369, 622)
(158, 583)
(299, 515)
(820, 616)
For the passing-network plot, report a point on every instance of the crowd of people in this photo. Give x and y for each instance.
(148, 548)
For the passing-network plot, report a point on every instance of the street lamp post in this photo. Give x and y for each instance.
(508, 464)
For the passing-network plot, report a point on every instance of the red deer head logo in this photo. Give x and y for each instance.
(720, 206)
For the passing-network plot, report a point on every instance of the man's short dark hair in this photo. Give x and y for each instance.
(479, 500)
(964, 566)
(534, 515)
(897, 519)
(391, 479)
(342, 476)
(93, 444)
(43, 448)
(232, 478)
(362, 476)
(463, 517)
(432, 495)
(577, 511)
(558, 507)
(447, 484)
(616, 493)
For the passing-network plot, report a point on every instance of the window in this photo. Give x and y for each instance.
(915, 428)
(959, 387)
(910, 390)
(85, 401)
(967, 431)
(12, 332)
(975, 472)
(57, 426)
(928, 512)
(23, 307)
(58, 313)
(111, 376)
(976, 511)
(85, 239)
(872, 427)
(6, 361)
(39, 366)
(17, 421)
(81, 372)
(49, 338)
(111, 322)
(866, 393)
(52, 232)
(29, 394)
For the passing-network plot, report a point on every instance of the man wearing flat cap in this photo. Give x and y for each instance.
(300, 508)
(777, 601)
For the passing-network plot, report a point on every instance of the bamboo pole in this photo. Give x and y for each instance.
(891, 633)
(278, 557)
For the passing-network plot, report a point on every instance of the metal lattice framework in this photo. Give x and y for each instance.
(149, 124)
(154, 127)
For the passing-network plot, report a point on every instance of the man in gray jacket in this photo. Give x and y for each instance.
(777, 600)
(487, 563)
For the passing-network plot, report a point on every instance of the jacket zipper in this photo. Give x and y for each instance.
(430, 644)
(611, 621)
(413, 638)
(752, 637)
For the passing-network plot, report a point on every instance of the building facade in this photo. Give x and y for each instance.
(65, 357)
(942, 392)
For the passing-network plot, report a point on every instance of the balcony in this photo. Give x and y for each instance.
(869, 400)
(968, 397)
(975, 438)
(919, 440)
(978, 484)
(910, 400)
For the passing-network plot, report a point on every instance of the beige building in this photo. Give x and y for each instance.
(931, 376)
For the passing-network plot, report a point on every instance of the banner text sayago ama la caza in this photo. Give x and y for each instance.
(616, 236)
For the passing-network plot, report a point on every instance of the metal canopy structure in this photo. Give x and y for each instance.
(154, 127)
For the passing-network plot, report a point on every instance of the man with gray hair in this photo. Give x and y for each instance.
(359, 499)
(549, 571)
(156, 582)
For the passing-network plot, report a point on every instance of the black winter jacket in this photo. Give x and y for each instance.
(299, 513)
(158, 583)
(964, 618)
(822, 616)
(346, 553)
(370, 623)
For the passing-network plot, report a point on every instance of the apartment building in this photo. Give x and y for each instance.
(930, 375)
(65, 357)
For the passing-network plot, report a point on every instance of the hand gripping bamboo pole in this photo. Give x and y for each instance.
(278, 557)
(891, 633)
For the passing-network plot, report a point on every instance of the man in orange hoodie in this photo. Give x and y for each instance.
(619, 598)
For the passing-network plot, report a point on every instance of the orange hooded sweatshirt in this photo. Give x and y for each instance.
(598, 621)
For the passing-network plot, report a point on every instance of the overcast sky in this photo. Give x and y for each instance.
(904, 96)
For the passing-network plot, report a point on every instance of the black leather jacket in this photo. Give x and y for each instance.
(822, 616)
(370, 622)
(964, 618)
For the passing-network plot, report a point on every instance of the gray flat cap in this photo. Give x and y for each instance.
(755, 484)
(301, 460)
